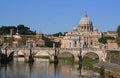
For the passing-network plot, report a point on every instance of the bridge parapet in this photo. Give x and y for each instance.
(27, 48)
(91, 49)
(113, 49)
(72, 49)
(42, 48)
(46, 48)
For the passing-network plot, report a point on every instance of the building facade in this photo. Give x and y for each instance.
(110, 33)
(85, 35)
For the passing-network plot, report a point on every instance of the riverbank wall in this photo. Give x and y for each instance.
(110, 68)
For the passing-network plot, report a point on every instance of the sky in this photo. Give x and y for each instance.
(52, 16)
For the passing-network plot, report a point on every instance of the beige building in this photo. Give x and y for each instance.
(111, 44)
(85, 35)
(22, 40)
(110, 33)
(40, 40)
(54, 39)
(35, 40)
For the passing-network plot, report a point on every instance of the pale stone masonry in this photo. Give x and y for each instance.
(85, 35)
(112, 44)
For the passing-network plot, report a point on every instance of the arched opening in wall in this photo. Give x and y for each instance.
(91, 55)
(66, 56)
(42, 55)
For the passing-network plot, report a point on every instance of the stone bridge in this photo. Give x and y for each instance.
(43, 51)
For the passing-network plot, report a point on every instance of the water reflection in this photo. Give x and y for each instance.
(80, 69)
(41, 68)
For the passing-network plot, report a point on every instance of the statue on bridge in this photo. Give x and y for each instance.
(54, 58)
(29, 58)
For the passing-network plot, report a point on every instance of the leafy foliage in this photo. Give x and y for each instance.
(49, 43)
(59, 34)
(118, 41)
(4, 30)
(118, 31)
(23, 30)
(89, 62)
(104, 39)
(114, 52)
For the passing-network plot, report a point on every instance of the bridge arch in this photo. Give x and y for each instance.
(38, 53)
(66, 54)
(20, 52)
(92, 55)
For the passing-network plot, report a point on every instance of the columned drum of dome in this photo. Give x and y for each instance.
(85, 23)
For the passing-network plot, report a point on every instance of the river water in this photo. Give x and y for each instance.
(41, 68)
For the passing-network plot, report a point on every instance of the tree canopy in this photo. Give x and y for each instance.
(118, 37)
(104, 39)
(118, 31)
(59, 34)
(22, 30)
(49, 43)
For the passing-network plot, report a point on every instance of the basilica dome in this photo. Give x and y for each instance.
(85, 20)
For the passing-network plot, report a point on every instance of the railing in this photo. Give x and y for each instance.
(27, 48)
(113, 49)
(73, 49)
(46, 48)
(92, 49)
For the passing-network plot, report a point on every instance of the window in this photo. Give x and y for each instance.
(70, 44)
(91, 43)
(75, 43)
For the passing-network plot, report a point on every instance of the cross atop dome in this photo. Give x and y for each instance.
(85, 14)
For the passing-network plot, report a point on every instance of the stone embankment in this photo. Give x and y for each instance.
(114, 69)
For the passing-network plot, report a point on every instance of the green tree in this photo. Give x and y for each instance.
(118, 41)
(104, 39)
(118, 37)
(57, 34)
(23, 30)
(49, 43)
(118, 31)
(64, 33)
(5, 30)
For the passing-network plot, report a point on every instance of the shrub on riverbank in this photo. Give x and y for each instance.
(89, 62)
(43, 57)
(114, 52)
(67, 58)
